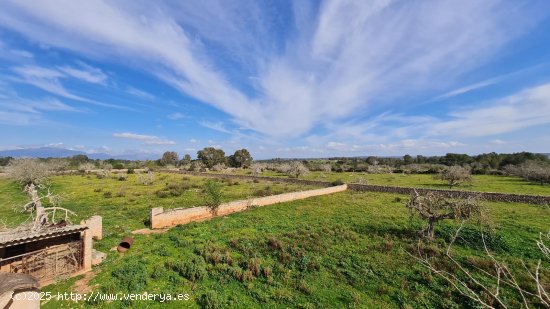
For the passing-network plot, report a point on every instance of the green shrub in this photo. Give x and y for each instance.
(118, 166)
(193, 269)
(471, 237)
(263, 192)
(213, 192)
(173, 189)
(107, 194)
(162, 194)
(210, 300)
(338, 182)
(131, 171)
(131, 276)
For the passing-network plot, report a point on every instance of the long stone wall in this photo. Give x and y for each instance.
(489, 196)
(160, 218)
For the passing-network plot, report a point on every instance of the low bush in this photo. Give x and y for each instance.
(131, 276)
(213, 192)
(210, 300)
(193, 269)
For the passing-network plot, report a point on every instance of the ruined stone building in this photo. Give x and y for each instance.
(53, 252)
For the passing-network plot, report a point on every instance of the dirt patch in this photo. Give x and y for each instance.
(82, 286)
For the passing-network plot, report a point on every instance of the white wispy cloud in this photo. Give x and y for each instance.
(333, 64)
(139, 93)
(86, 73)
(49, 79)
(530, 107)
(146, 139)
(21, 111)
(176, 116)
(216, 126)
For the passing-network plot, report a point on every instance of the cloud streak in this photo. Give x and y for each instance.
(49, 80)
(146, 139)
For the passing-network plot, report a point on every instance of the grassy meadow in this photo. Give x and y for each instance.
(346, 250)
(484, 183)
(125, 205)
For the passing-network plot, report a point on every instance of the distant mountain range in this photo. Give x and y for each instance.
(56, 152)
(50, 152)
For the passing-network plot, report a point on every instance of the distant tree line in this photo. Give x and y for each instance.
(530, 166)
(209, 157)
(486, 163)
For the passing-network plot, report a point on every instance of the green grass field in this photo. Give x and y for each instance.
(344, 250)
(338, 251)
(485, 183)
(125, 205)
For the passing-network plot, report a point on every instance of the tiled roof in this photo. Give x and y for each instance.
(16, 237)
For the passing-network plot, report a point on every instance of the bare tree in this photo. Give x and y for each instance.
(218, 167)
(434, 207)
(42, 216)
(86, 167)
(534, 171)
(296, 169)
(28, 171)
(489, 291)
(105, 166)
(146, 179)
(455, 175)
(257, 168)
(32, 174)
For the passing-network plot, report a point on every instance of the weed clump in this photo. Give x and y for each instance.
(193, 269)
(210, 300)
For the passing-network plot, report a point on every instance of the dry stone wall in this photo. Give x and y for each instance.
(488, 196)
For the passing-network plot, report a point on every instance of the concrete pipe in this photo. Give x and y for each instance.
(125, 244)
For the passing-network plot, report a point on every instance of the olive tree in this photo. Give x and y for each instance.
(434, 207)
(211, 156)
(169, 158)
(241, 158)
(454, 175)
(186, 160)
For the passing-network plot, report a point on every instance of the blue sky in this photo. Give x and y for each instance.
(283, 79)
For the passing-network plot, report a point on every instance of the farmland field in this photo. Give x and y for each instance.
(349, 249)
(484, 183)
(125, 205)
